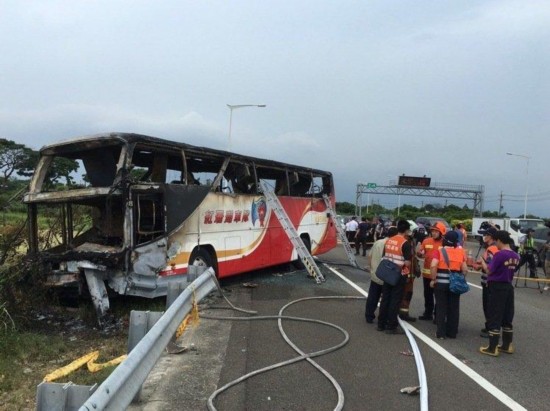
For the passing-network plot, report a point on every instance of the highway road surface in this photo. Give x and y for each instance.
(371, 368)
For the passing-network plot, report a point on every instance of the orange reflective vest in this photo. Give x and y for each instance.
(456, 258)
(393, 251)
(429, 245)
(487, 256)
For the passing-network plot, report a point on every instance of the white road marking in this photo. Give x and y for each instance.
(481, 381)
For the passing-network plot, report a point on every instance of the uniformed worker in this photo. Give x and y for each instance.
(501, 296)
(351, 229)
(492, 249)
(527, 253)
(448, 303)
(375, 288)
(361, 236)
(414, 272)
(398, 250)
(426, 250)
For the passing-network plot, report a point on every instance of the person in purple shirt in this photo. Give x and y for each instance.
(500, 305)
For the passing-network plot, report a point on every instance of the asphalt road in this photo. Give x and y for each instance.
(371, 368)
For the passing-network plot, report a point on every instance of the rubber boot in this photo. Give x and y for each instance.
(507, 336)
(492, 348)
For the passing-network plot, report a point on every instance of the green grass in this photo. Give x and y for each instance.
(26, 357)
(12, 217)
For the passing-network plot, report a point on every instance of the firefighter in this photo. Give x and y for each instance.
(414, 272)
(500, 306)
(492, 249)
(398, 250)
(426, 249)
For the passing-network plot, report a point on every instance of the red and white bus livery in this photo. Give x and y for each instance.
(144, 209)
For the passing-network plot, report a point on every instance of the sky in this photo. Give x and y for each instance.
(368, 90)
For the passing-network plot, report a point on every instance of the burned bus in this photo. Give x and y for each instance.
(155, 207)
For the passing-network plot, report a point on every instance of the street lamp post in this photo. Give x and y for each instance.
(234, 107)
(526, 180)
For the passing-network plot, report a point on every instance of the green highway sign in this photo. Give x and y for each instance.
(371, 185)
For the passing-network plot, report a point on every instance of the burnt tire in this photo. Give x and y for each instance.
(298, 263)
(201, 257)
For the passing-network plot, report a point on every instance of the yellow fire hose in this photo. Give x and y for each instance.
(88, 359)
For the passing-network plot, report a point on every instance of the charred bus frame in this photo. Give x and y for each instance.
(155, 207)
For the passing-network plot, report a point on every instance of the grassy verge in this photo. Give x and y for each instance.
(50, 336)
(52, 341)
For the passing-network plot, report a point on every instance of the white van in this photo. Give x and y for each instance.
(515, 226)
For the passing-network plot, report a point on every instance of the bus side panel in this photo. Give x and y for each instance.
(246, 235)
(309, 217)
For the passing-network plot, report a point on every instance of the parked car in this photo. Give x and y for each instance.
(431, 221)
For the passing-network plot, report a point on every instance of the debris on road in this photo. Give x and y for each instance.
(411, 390)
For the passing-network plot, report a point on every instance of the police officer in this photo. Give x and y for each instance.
(526, 251)
(361, 236)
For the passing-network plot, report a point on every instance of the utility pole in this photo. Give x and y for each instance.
(500, 205)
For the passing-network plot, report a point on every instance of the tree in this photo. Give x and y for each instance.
(13, 157)
(345, 208)
(61, 167)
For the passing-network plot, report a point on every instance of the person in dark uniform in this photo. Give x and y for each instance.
(414, 272)
(526, 252)
(361, 236)
(501, 295)
(492, 249)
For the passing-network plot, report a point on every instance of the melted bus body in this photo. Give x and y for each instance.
(145, 209)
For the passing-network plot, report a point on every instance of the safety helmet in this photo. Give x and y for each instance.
(450, 239)
(439, 226)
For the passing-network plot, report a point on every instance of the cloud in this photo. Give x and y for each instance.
(40, 127)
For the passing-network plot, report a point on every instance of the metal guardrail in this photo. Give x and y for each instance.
(118, 390)
(62, 396)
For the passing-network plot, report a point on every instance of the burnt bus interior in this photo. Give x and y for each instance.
(131, 190)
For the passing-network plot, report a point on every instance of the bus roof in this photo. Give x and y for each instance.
(89, 141)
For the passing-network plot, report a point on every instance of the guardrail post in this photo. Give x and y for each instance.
(192, 273)
(122, 385)
(140, 324)
(62, 396)
(174, 290)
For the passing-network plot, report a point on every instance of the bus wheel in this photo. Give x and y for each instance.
(201, 257)
(298, 263)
